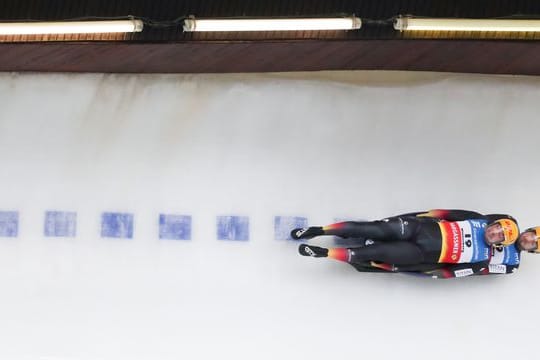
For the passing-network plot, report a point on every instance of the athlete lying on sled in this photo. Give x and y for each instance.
(437, 243)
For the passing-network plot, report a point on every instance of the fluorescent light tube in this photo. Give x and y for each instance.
(343, 23)
(70, 27)
(433, 24)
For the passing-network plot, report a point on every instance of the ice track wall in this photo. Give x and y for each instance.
(145, 217)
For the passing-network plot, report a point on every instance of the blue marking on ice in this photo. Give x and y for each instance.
(233, 228)
(60, 224)
(174, 227)
(117, 225)
(284, 224)
(9, 223)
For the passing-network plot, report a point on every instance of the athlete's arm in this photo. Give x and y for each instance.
(438, 271)
(499, 269)
(445, 214)
(458, 270)
(441, 271)
(406, 268)
(452, 215)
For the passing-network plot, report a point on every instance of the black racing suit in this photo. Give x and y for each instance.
(410, 242)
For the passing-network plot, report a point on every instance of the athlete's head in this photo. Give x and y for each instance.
(529, 240)
(503, 231)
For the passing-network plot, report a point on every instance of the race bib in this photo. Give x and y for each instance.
(497, 269)
(463, 242)
(507, 255)
(463, 272)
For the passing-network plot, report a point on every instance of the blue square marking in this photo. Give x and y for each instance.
(9, 223)
(233, 228)
(174, 227)
(117, 225)
(60, 224)
(284, 224)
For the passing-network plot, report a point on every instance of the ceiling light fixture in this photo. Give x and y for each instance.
(404, 23)
(192, 24)
(71, 27)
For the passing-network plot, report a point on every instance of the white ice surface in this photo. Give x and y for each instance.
(320, 145)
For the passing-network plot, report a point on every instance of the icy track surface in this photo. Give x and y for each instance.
(320, 146)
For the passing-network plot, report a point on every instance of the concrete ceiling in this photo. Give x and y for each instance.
(167, 49)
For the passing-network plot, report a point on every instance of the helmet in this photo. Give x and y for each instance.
(510, 231)
(535, 231)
